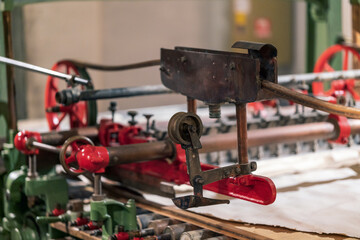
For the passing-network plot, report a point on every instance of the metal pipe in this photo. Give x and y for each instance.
(141, 152)
(286, 134)
(59, 137)
(283, 92)
(27, 66)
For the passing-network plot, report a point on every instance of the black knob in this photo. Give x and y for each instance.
(148, 116)
(132, 114)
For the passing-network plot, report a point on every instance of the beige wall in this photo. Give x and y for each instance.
(118, 32)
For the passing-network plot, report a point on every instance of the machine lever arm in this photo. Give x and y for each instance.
(66, 77)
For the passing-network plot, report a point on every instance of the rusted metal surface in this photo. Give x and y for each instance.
(275, 135)
(12, 121)
(59, 137)
(311, 102)
(242, 139)
(223, 76)
(141, 152)
(191, 105)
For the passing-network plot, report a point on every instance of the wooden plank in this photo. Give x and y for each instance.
(72, 231)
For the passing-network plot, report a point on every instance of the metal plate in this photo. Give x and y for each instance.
(212, 76)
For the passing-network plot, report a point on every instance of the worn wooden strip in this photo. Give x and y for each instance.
(73, 231)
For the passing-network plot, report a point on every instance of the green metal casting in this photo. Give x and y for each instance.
(323, 30)
(113, 213)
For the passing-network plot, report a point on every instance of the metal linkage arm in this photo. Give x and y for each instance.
(66, 77)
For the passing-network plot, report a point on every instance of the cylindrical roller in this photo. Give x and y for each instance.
(141, 152)
(176, 230)
(159, 225)
(59, 137)
(198, 234)
(286, 134)
(143, 220)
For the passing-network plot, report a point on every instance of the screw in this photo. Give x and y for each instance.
(112, 108)
(214, 110)
(253, 166)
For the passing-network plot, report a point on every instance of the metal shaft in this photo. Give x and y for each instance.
(275, 135)
(141, 152)
(310, 77)
(191, 105)
(32, 166)
(70, 96)
(42, 70)
(241, 123)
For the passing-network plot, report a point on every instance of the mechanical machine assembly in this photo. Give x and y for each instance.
(41, 203)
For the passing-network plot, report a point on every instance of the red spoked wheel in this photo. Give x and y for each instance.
(323, 64)
(55, 113)
(68, 154)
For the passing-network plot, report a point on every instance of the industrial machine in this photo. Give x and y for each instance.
(40, 203)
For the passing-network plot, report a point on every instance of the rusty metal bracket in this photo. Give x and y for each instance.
(216, 77)
(186, 129)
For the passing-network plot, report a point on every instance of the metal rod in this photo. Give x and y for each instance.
(11, 104)
(32, 166)
(275, 135)
(42, 70)
(241, 123)
(310, 77)
(191, 105)
(69, 96)
(283, 92)
(97, 185)
(45, 147)
(141, 152)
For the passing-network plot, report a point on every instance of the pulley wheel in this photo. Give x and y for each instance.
(178, 127)
(80, 114)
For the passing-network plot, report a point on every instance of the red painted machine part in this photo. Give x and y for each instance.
(122, 236)
(322, 65)
(344, 129)
(57, 212)
(251, 188)
(20, 141)
(91, 158)
(77, 112)
(79, 221)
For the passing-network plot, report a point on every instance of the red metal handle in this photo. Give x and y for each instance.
(22, 144)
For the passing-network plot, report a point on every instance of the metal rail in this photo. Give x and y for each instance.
(310, 77)
(27, 66)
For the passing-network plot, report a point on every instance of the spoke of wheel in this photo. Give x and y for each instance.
(78, 117)
(62, 116)
(70, 159)
(346, 56)
(328, 68)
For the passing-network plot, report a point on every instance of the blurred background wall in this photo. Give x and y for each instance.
(122, 32)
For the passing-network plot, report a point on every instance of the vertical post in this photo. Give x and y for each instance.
(191, 105)
(241, 123)
(7, 91)
(355, 8)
